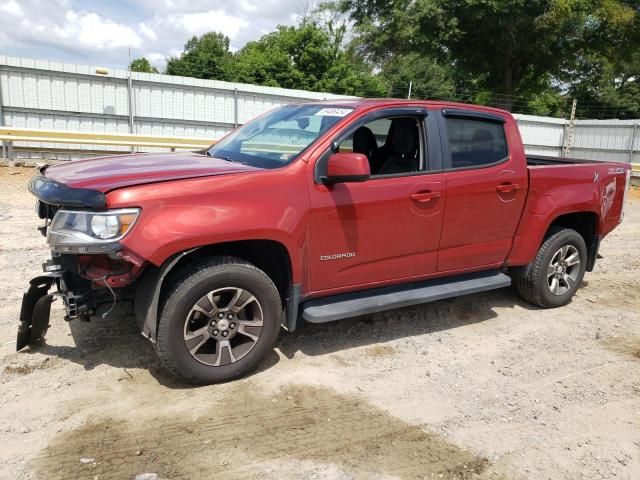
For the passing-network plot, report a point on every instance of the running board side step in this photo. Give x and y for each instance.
(354, 304)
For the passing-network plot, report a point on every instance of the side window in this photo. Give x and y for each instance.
(380, 130)
(474, 143)
(392, 145)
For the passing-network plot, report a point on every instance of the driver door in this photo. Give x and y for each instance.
(384, 229)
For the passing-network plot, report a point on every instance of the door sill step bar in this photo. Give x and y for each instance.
(354, 304)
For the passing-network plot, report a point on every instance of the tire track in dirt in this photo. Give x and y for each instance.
(247, 430)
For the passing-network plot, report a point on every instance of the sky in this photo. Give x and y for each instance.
(100, 32)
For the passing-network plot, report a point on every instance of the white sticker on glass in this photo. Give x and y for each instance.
(333, 112)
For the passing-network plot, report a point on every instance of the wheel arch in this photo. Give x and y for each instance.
(270, 256)
(585, 222)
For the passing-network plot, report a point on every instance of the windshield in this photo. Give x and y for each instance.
(275, 139)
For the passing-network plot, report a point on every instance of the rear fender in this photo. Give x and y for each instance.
(535, 229)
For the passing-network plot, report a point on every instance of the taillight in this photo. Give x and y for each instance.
(624, 194)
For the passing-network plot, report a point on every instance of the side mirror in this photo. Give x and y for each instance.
(347, 167)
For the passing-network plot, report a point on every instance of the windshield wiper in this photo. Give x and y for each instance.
(227, 158)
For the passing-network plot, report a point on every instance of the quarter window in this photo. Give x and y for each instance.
(474, 143)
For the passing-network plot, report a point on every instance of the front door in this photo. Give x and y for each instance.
(386, 228)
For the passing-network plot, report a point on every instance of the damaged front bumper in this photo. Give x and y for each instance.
(35, 310)
(83, 296)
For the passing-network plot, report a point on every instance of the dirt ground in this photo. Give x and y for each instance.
(484, 386)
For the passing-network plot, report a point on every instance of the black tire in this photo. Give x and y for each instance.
(535, 288)
(189, 287)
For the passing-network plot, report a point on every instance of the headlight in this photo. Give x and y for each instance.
(81, 228)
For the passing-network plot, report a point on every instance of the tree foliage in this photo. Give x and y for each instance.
(142, 65)
(606, 82)
(207, 56)
(307, 57)
(429, 79)
(531, 56)
(509, 47)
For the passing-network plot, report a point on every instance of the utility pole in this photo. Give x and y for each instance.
(4, 144)
(410, 85)
(130, 92)
(570, 127)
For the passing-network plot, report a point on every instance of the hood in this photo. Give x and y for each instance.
(108, 173)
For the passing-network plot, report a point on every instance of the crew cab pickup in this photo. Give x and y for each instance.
(319, 211)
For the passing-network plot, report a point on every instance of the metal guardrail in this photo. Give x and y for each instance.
(13, 134)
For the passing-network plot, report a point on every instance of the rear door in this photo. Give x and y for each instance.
(386, 228)
(486, 176)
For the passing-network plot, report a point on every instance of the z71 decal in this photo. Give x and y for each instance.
(616, 171)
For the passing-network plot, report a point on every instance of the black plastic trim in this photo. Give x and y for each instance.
(151, 299)
(344, 179)
(56, 193)
(97, 248)
(365, 302)
(292, 307)
(460, 113)
(592, 252)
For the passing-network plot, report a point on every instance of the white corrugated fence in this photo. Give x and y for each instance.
(39, 94)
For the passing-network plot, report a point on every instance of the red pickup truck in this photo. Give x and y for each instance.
(320, 211)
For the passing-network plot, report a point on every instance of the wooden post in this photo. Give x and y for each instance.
(569, 138)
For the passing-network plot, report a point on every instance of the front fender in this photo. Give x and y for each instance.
(181, 215)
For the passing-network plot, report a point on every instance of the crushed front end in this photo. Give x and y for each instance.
(89, 268)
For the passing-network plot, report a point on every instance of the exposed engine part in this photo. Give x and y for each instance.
(115, 299)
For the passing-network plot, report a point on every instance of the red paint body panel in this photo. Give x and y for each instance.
(348, 164)
(108, 173)
(179, 215)
(484, 206)
(400, 228)
(392, 235)
(562, 189)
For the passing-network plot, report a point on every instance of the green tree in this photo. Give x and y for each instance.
(142, 65)
(606, 82)
(511, 48)
(429, 79)
(207, 56)
(307, 57)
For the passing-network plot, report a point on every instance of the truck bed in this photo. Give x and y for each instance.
(539, 160)
(577, 185)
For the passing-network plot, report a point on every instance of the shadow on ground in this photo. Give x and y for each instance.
(117, 342)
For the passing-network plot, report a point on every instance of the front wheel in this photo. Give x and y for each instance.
(557, 270)
(218, 321)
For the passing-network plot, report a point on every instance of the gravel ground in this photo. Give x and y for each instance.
(484, 386)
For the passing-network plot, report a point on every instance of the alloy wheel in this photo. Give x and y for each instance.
(223, 326)
(563, 270)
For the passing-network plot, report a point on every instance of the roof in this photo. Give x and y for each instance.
(366, 103)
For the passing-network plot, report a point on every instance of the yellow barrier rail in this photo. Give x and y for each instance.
(13, 134)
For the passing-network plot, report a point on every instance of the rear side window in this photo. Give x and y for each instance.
(474, 143)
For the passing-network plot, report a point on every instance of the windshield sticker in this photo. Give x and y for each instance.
(333, 112)
(285, 156)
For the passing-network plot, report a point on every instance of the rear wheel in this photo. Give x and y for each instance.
(218, 321)
(557, 270)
